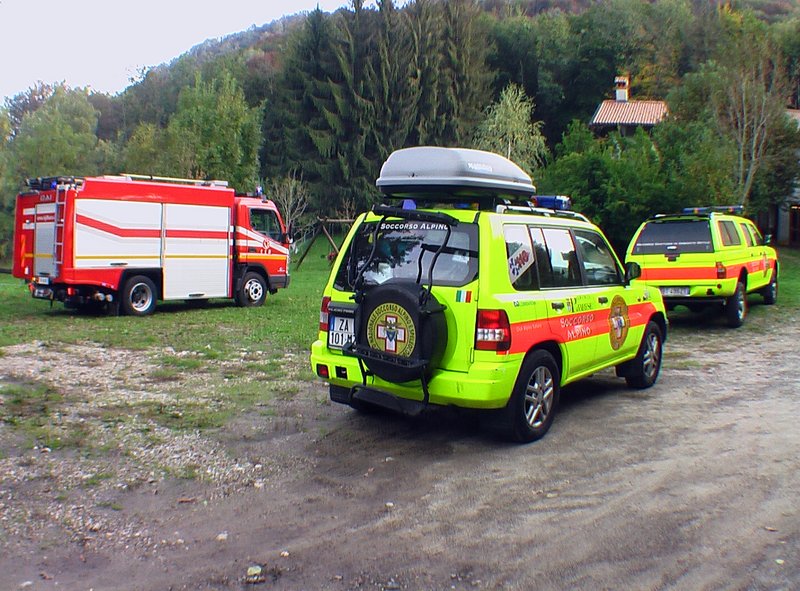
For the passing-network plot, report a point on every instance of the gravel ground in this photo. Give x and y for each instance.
(689, 485)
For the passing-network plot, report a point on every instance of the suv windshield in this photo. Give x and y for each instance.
(660, 237)
(403, 245)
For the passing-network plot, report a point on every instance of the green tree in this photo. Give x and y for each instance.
(145, 151)
(291, 196)
(7, 186)
(778, 176)
(616, 181)
(58, 138)
(55, 137)
(426, 62)
(391, 83)
(296, 130)
(509, 129)
(464, 81)
(751, 100)
(214, 134)
(22, 104)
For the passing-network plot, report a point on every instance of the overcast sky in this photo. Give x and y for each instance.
(103, 43)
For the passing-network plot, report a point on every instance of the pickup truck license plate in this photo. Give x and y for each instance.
(674, 291)
(341, 330)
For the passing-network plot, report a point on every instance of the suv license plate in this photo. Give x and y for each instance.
(674, 291)
(341, 330)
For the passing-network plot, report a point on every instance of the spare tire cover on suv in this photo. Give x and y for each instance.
(406, 338)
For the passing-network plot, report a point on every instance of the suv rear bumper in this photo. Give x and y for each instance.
(485, 385)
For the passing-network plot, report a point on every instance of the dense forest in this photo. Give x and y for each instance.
(317, 101)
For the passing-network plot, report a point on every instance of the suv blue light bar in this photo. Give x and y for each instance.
(560, 202)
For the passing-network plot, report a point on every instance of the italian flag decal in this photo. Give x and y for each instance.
(464, 296)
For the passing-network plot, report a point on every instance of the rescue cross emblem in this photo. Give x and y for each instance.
(618, 322)
(390, 329)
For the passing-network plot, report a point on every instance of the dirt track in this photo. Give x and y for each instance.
(692, 484)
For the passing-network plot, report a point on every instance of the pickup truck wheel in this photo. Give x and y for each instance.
(736, 307)
(533, 402)
(138, 296)
(770, 292)
(253, 291)
(645, 366)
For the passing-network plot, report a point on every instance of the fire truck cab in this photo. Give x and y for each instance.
(126, 241)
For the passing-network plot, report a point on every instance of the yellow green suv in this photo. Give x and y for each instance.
(459, 291)
(706, 256)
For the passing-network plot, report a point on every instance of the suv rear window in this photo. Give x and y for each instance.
(660, 237)
(402, 246)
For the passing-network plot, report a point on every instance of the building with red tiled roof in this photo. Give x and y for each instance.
(625, 115)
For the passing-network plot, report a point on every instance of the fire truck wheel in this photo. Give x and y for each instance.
(139, 296)
(253, 291)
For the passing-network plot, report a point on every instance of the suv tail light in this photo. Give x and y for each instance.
(721, 271)
(323, 314)
(493, 331)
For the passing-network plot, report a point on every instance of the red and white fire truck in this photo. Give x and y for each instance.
(126, 241)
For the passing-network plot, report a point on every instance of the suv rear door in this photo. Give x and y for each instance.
(404, 251)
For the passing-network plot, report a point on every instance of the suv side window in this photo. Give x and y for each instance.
(728, 233)
(599, 265)
(563, 258)
(520, 257)
(546, 277)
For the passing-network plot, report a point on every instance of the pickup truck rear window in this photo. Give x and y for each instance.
(674, 236)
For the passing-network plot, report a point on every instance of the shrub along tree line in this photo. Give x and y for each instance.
(326, 97)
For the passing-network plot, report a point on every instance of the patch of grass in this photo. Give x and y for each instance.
(27, 400)
(183, 363)
(97, 478)
(789, 279)
(110, 505)
(34, 410)
(165, 374)
(185, 472)
(181, 417)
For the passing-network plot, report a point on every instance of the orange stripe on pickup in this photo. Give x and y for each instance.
(678, 273)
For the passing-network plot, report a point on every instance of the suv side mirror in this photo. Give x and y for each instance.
(768, 239)
(632, 271)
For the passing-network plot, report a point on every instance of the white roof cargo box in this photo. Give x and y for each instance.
(452, 171)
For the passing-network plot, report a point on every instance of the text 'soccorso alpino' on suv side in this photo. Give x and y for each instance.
(458, 291)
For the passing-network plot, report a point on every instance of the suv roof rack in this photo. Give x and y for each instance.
(543, 211)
